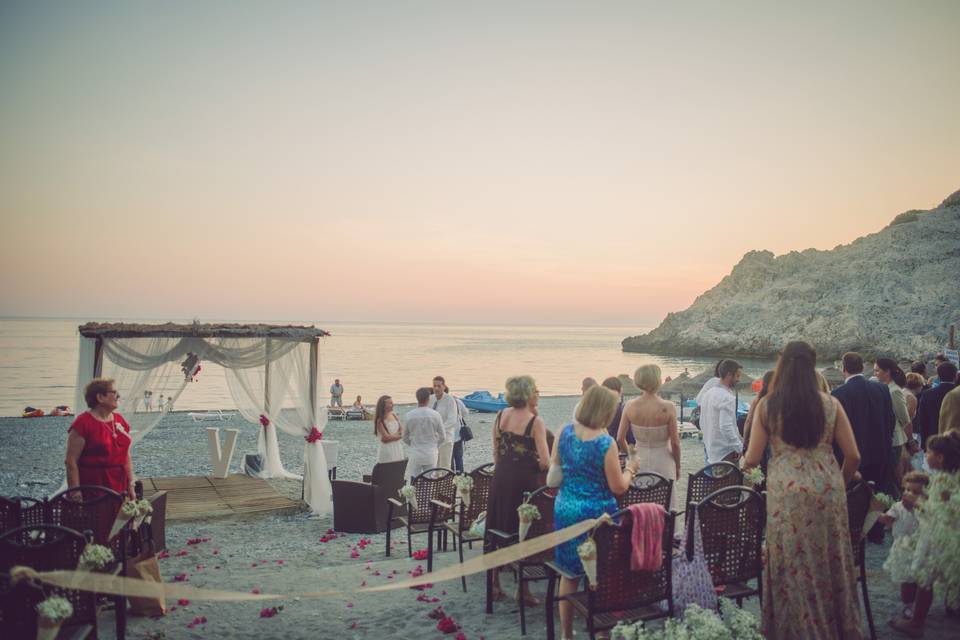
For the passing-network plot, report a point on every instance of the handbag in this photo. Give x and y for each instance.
(466, 433)
(145, 567)
(692, 583)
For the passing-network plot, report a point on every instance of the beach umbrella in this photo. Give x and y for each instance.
(628, 388)
(675, 386)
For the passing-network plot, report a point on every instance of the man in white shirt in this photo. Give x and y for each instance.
(444, 404)
(336, 394)
(718, 416)
(422, 433)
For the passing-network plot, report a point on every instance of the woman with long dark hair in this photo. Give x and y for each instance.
(807, 526)
(889, 373)
(389, 432)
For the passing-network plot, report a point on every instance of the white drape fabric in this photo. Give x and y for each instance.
(88, 351)
(266, 377)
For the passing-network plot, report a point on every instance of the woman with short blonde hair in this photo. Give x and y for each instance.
(586, 467)
(647, 378)
(519, 391)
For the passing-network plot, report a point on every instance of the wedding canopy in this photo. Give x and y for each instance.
(268, 368)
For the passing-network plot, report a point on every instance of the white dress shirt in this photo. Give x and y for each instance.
(447, 408)
(423, 431)
(718, 421)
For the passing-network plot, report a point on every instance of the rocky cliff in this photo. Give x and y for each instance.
(893, 292)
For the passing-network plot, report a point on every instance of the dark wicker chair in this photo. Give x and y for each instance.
(621, 594)
(361, 507)
(20, 511)
(94, 508)
(859, 497)
(44, 548)
(710, 478)
(731, 523)
(435, 493)
(466, 516)
(532, 568)
(647, 487)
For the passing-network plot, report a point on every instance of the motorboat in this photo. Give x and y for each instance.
(485, 402)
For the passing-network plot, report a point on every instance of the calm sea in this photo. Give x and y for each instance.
(38, 360)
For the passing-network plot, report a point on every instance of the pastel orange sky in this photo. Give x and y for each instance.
(437, 161)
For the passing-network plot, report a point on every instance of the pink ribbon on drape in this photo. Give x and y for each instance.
(646, 536)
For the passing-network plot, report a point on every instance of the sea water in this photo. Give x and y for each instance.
(38, 360)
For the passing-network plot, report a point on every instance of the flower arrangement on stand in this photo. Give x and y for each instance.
(587, 550)
(51, 614)
(754, 477)
(464, 485)
(136, 508)
(733, 623)
(96, 557)
(409, 493)
(527, 513)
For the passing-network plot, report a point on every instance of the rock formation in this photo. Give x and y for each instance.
(893, 292)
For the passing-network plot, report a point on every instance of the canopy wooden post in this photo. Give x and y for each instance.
(266, 378)
(98, 359)
(314, 362)
(953, 337)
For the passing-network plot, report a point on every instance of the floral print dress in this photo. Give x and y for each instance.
(809, 584)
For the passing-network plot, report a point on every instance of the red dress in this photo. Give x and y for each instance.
(106, 447)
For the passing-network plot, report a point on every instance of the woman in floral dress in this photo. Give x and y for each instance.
(809, 585)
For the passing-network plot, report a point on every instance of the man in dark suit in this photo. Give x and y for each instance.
(928, 412)
(870, 410)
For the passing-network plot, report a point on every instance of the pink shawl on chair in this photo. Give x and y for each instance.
(647, 536)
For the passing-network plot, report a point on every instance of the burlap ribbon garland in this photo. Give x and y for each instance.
(122, 586)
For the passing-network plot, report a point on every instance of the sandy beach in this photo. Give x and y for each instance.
(283, 553)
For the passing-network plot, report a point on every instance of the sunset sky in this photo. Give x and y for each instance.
(542, 162)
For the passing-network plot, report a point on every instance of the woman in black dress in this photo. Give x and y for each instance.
(520, 453)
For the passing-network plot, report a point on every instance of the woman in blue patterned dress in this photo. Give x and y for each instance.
(586, 465)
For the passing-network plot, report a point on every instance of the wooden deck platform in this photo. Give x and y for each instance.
(191, 497)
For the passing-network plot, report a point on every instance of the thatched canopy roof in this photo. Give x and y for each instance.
(197, 330)
(690, 386)
(628, 387)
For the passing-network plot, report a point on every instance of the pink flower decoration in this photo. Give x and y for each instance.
(264, 420)
(163, 555)
(354, 554)
(216, 552)
(183, 602)
(460, 636)
(256, 590)
(192, 541)
(180, 577)
(420, 554)
(197, 621)
(279, 561)
(447, 625)
(313, 436)
(269, 612)
(253, 565)
(353, 626)
(181, 553)
(329, 531)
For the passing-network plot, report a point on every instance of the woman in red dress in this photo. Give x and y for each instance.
(98, 442)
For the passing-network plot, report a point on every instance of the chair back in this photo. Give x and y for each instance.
(479, 495)
(710, 478)
(390, 476)
(433, 484)
(647, 487)
(86, 508)
(19, 511)
(859, 497)
(50, 547)
(731, 524)
(543, 498)
(619, 587)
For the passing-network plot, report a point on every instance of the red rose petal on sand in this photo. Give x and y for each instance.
(349, 605)
(181, 553)
(162, 555)
(183, 602)
(279, 561)
(353, 626)
(256, 590)
(460, 636)
(363, 583)
(180, 577)
(216, 552)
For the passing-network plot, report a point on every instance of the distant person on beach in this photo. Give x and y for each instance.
(613, 383)
(928, 414)
(653, 423)
(914, 387)
(809, 584)
(870, 411)
(458, 440)
(336, 394)
(519, 453)
(98, 442)
(586, 384)
(938, 360)
(160, 405)
(148, 401)
(358, 403)
(388, 430)
(950, 410)
(718, 416)
(423, 435)
(444, 404)
(890, 374)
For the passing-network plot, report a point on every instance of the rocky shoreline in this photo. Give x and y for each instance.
(889, 293)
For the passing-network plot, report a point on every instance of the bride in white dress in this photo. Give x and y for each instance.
(653, 422)
(389, 432)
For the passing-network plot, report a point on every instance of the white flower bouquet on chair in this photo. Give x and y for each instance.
(733, 623)
(587, 550)
(464, 485)
(51, 614)
(95, 557)
(409, 493)
(527, 513)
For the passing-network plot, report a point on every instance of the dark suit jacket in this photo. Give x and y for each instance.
(870, 410)
(928, 411)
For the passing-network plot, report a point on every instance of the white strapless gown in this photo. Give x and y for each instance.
(390, 451)
(654, 453)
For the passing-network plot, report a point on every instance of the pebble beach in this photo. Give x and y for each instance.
(284, 554)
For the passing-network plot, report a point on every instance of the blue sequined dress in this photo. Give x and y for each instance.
(584, 492)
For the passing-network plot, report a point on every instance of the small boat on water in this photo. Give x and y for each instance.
(32, 412)
(61, 410)
(484, 402)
